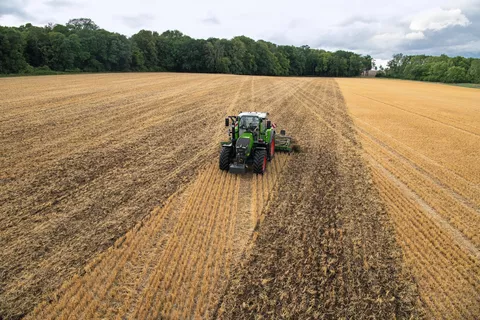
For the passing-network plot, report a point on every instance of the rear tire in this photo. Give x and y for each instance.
(260, 161)
(224, 162)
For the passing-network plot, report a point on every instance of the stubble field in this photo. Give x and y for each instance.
(112, 205)
(422, 142)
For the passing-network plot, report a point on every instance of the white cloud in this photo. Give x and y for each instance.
(438, 19)
(381, 62)
(408, 26)
(14, 8)
(415, 35)
(398, 36)
(211, 20)
(389, 36)
(137, 21)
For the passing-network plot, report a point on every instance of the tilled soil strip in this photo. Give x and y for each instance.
(326, 248)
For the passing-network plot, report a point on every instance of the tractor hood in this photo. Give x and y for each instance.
(243, 147)
(245, 143)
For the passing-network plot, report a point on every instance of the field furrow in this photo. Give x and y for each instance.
(91, 157)
(324, 248)
(189, 249)
(425, 164)
(112, 205)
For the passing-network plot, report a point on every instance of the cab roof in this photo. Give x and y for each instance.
(262, 115)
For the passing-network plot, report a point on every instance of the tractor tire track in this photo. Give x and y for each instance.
(182, 277)
(326, 247)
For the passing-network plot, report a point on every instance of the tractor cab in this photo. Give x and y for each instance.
(251, 122)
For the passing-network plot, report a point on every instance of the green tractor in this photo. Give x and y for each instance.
(253, 142)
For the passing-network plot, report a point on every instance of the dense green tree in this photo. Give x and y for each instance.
(323, 63)
(415, 68)
(461, 62)
(395, 66)
(81, 45)
(456, 75)
(297, 58)
(283, 65)
(138, 60)
(61, 29)
(82, 24)
(338, 65)
(216, 61)
(267, 63)
(12, 45)
(248, 61)
(312, 61)
(146, 42)
(356, 65)
(174, 52)
(63, 51)
(474, 71)
(192, 53)
(119, 55)
(434, 68)
(438, 71)
(37, 44)
(166, 51)
(236, 52)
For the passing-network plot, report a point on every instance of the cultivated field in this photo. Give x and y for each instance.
(423, 145)
(112, 204)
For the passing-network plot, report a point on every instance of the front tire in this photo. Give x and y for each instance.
(260, 161)
(224, 162)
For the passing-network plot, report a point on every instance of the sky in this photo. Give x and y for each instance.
(376, 27)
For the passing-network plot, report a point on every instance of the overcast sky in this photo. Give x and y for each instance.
(375, 27)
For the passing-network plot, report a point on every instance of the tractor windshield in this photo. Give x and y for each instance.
(248, 122)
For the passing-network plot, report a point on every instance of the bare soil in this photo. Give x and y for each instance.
(326, 246)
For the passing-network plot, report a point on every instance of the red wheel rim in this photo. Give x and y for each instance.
(264, 163)
(272, 147)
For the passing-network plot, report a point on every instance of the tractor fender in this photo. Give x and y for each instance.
(231, 148)
(227, 145)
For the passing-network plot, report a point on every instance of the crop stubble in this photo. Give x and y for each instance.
(86, 158)
(325, 248)
(174, 264)
(422, 142)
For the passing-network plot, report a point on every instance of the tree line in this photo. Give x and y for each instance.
(81, 46)
(429, 68)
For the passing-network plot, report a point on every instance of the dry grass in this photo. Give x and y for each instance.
(88, 159)
(174, 264)
(85, 157)
(422, 141)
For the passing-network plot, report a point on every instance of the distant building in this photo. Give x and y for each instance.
(370, 73)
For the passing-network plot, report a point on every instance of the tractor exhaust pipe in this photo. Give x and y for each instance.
(233, 133)
(232, 129)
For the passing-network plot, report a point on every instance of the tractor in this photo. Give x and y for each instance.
(253, 142)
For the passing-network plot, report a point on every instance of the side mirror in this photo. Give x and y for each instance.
(269, 124)
(227, 123)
